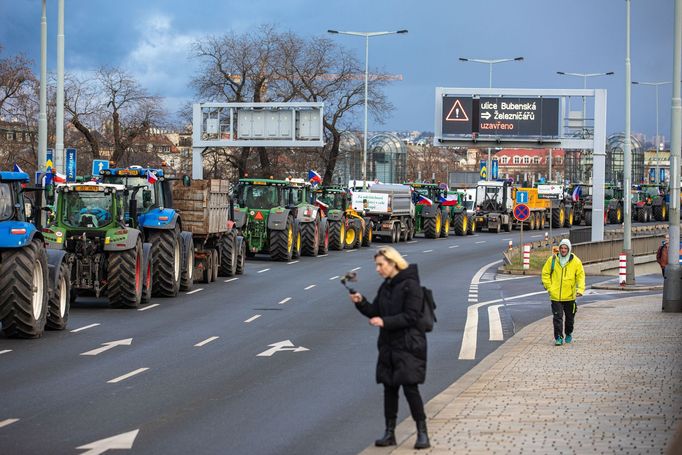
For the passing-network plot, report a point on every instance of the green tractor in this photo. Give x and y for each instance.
(431, 216)
(582, 203)
(106, 256)
(275, 218)
(347, 228)
(460, 218)
(656, 197)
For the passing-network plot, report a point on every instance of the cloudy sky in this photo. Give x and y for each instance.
(152, 39)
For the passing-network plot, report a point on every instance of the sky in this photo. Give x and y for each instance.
(152, 40)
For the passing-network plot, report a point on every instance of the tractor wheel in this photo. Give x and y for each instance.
(531, 222)
(351, 238)
(641, 215)
(615, 216)
(472, 226)
(588, 218)
(337, 234)
(432, 226)
(147, 281)
(367, 237)
(445, 232)
(658, 209)
(24, 291)
(558, 217)
(298, 242)
(282, 242)
(228, 254)
(310, 238)
(216, 265)
(58, 305)
(461, 223)
(648, 214)
(207, 271)
(187, 275)
(241, 256)
(166, 251)
(125, 277)
(324, 238)
(569, 218)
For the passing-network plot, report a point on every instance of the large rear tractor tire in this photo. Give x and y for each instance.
(147, 281)
(368, 234)
(187, 275)
(432, 226)
(588, 218)
(298, 243)
(616, 216)
(352, 235)
(228, 254)
(125, 276)
(59, 305)
(570, 218)
(337, 234)
(461, 223)
(310, 238)
(241, 256)
(558, 217)
(641, 214)
(24, 291)
(282, 242)
(472, 226)
(324, 237)
(445, 232)
(167, 254)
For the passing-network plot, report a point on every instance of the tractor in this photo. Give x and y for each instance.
(432, 217)
(347, 228)
(657, 200)
(460, 213)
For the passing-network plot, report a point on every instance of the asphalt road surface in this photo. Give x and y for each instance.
(277, 361)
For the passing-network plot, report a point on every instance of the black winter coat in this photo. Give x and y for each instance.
(402, 346)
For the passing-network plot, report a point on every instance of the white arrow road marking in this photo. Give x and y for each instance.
(253, 318)
(356, 268)
(231, 279)
(109, 345)
(4, 423)
(283, 301)
(85, 327)
(195, 291)
(333, 278)
(310, 287)
(127, 375)
(206, 341)
(285, 345)
(495, 323)
(5, 351)
(263, 270)
(292, 262)
(123, 441)
(149, 307)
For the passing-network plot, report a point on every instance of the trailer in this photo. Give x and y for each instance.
(495, 202)
(217, 249)
(390, 208)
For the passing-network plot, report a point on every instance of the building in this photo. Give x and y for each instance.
(530, 165)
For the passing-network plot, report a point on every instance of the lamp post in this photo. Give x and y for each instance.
(490, 64)
(367, 36)
(585, 76)
(656, 142)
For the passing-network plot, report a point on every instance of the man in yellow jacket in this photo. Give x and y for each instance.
(564, 278)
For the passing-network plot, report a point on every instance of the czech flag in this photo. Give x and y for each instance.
(321, 205)
(314, 177)
(422, 200)
(59, 178)
(151, 177)
(17, 168)
(449, 201)
(577, 192)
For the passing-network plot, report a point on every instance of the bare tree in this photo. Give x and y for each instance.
(83, 102)
(15, 77)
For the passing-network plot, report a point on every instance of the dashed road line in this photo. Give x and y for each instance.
(322, 255)
(4, 423)
(195, 291)
(252, 318)
(6, 351)
(310, 287)
(453, 246)
(481, 241)
(536, 236)
(80, 329)
(149, 307)
(428, 251)
(333, 278)
(205, 342)
(127, 375)
(231, 279)
(263, 270)
(413, 241)
(350, 251)
(283, 301)
(293, 262)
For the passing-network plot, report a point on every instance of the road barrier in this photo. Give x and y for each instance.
(526, 256)
(622, 268)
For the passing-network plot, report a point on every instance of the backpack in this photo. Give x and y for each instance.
(428, 316)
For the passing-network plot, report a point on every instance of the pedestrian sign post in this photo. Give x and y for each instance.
(522, 198)
(521, 213)
(98, 166)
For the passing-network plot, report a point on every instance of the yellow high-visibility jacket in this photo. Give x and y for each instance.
(564, 282)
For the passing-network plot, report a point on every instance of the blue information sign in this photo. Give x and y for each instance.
(522, 197)
(50, 157)
(484, 169)
(99, 165)
(70, 165)
(662, 176)
(494, 169)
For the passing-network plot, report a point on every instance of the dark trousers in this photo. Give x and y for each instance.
(558, 310)
(414, 399)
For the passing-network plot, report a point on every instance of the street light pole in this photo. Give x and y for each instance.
(490, 64)
(367, 36)
(627, 158)
(585, 76)
(657, 177)
(42, 115)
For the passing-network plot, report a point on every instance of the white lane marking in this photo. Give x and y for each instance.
(231, 279)
(322, 255)
(194, 291)
(5, 351)
(472, 300)
(310, 287)
(477, 278)
(123, 441)
(263, 270)
(127, 375)
(413, 241)
(428, 251)
(252, 318)
(495, 323)
(506, 240)
(293, 262)
(4, 423)
(148, 307)
(333, 278)
(536, 236)
(481, 241)
(351, 251)
(453, 246)
(109, 345)
(508, 279)
(206, 341)
(282, 302)
(85, 327)
(356, 268)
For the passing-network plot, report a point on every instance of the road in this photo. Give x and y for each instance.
(187, 374)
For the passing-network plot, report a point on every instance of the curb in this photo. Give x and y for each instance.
(628, 288)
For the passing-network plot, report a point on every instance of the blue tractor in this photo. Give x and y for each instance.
(34, 282)
(150, 209)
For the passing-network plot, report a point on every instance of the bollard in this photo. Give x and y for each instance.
(546, 236)
(510, 244)
(622, 268)
(526, 256)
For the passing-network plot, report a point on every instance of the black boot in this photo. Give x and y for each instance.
(422, 436)
(388, 439)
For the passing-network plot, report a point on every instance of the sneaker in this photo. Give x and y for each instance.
(569, 338)
(559, 341)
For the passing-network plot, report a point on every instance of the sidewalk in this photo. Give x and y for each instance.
(616, 389)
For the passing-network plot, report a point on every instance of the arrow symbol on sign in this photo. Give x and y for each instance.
(485, 115)
(100, 166)
(109, 345)
(123, 441)
(285, 345)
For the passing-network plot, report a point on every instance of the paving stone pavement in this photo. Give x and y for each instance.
(616, 389)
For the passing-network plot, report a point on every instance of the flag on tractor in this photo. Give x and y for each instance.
(17, 168)
(151, 177)
(314, 177)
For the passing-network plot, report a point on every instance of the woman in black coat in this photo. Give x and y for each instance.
(402, 344)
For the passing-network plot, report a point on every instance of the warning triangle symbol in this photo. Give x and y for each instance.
(457, 113)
